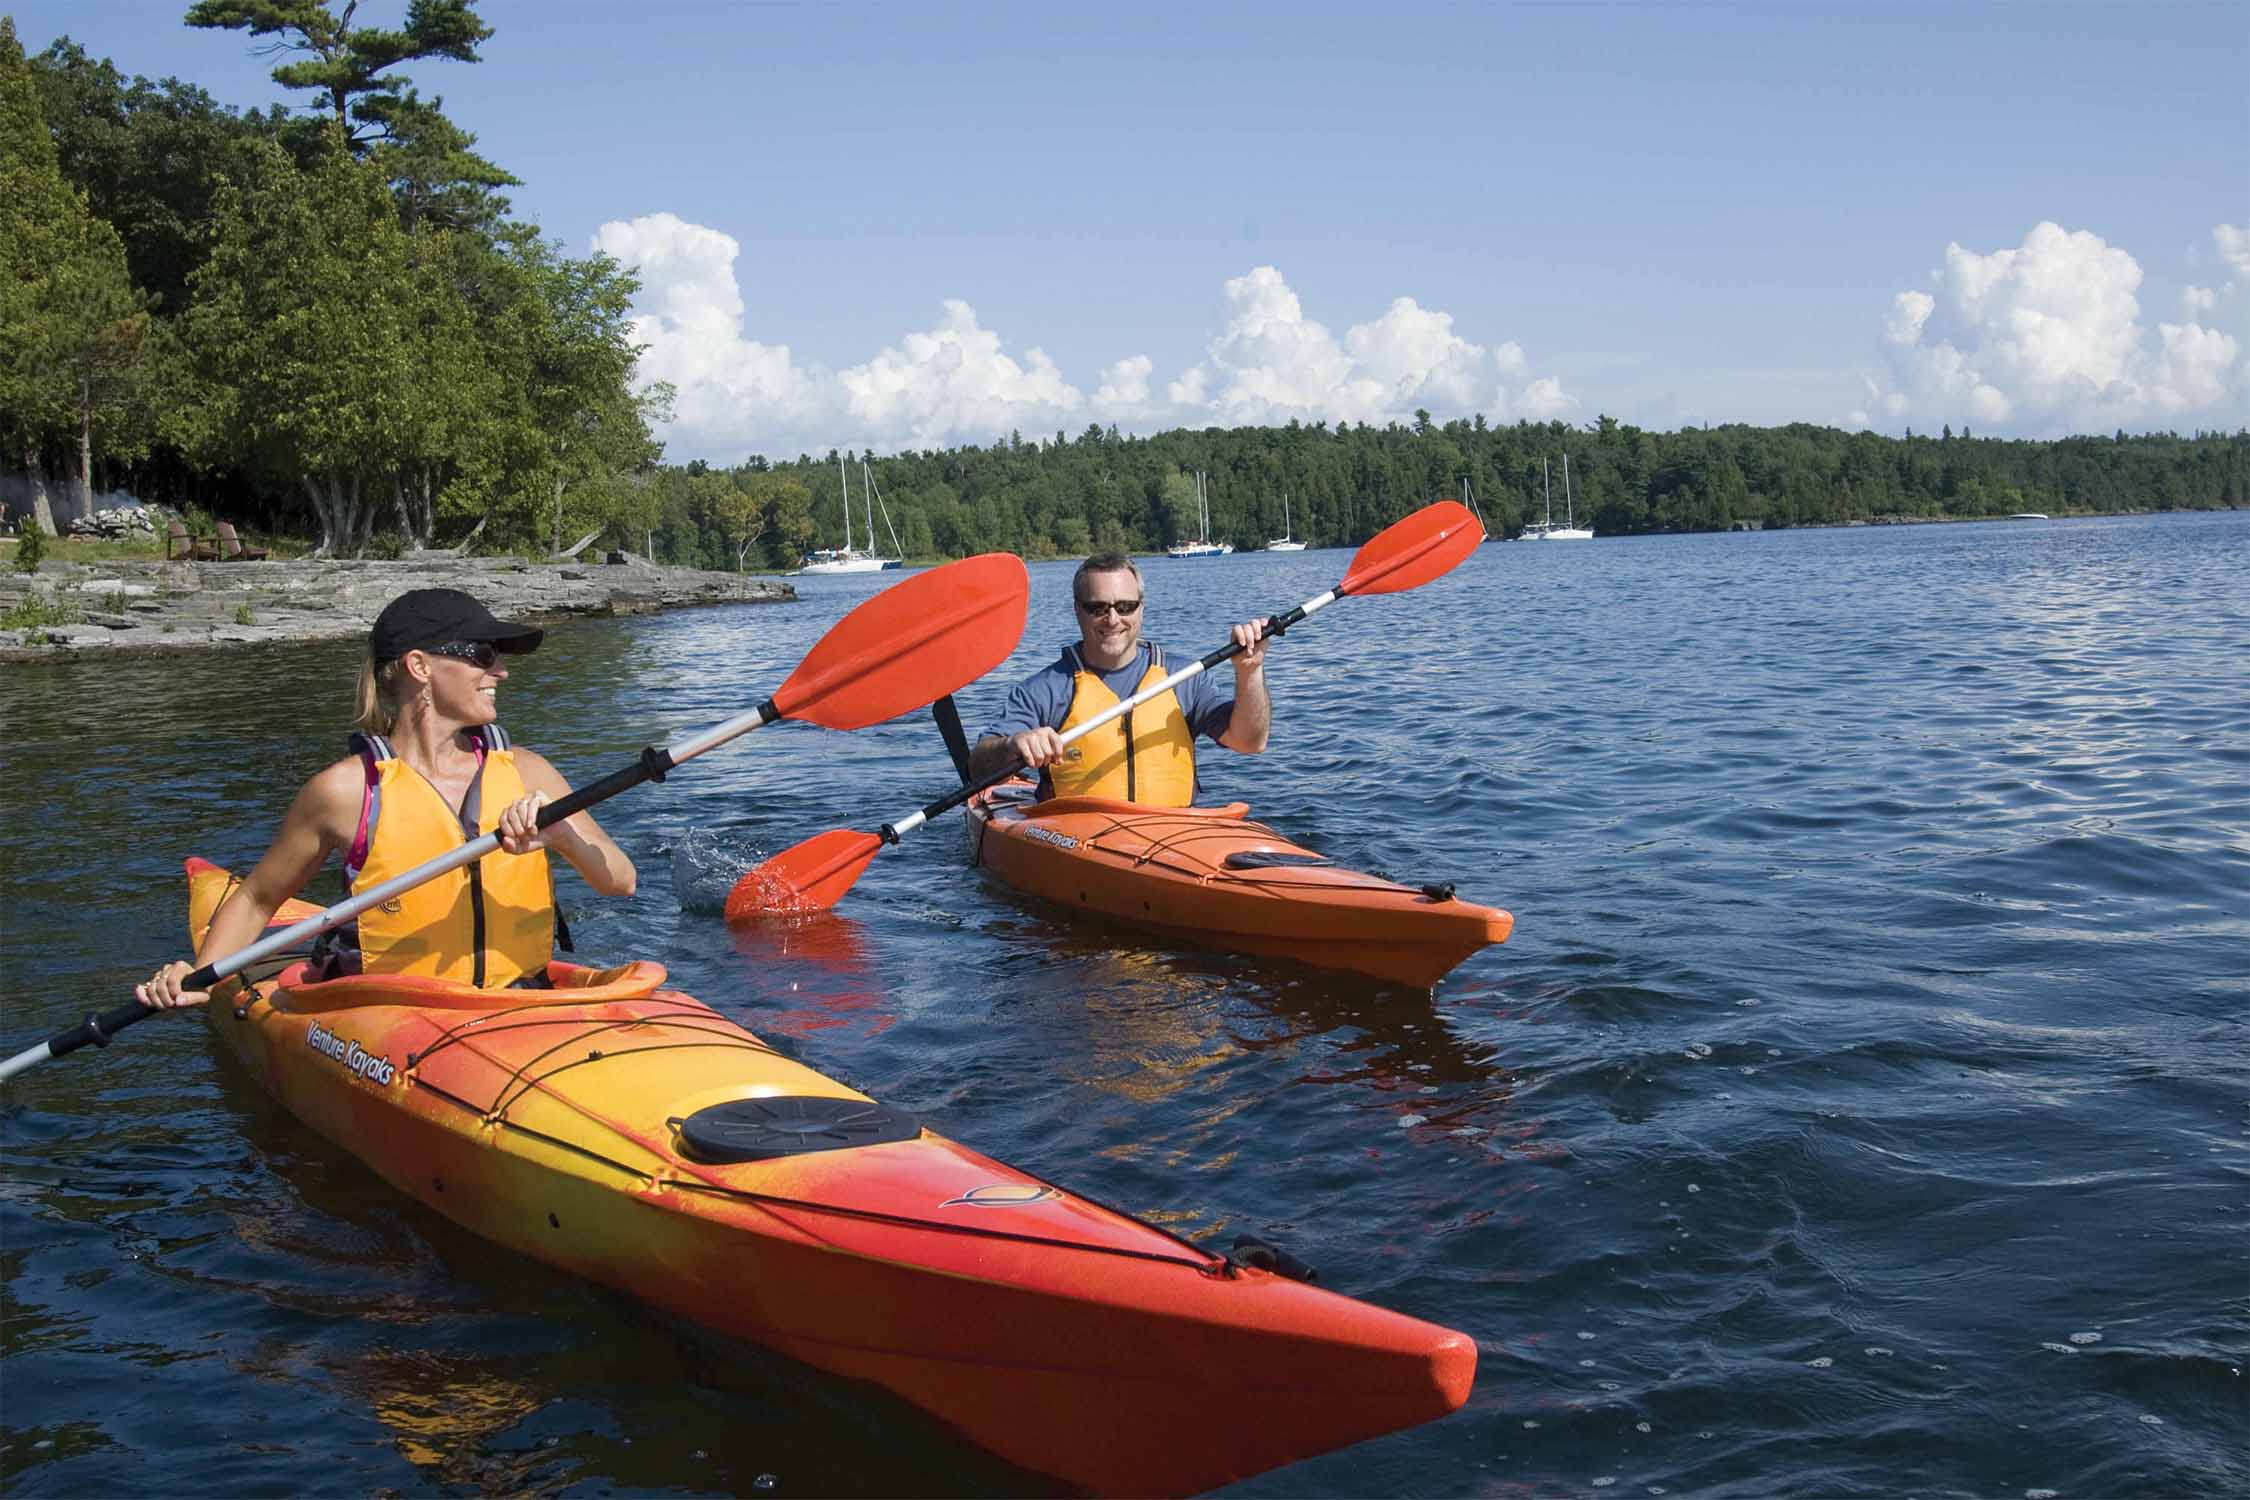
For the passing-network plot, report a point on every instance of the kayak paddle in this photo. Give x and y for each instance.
(904, 648)
(814, 875)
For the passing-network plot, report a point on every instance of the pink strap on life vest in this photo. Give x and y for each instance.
(372, 748)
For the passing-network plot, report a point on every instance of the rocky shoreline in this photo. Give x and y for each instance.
(138, 607)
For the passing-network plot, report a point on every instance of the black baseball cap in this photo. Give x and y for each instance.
(421, 618)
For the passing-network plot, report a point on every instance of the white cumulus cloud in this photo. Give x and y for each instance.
(2234, 248)
(1124, 387)
(959, 381)
(1272, 363)
(1543, 400)
(2047, 337)
(955, 379)
(690, 317)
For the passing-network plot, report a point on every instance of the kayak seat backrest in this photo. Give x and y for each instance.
(1273, 859)
(567, 982)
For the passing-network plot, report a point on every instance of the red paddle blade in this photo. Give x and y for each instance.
(911, 644)
(813, 876)
(1409, 553)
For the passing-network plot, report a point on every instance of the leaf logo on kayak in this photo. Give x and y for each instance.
(1004, 1195)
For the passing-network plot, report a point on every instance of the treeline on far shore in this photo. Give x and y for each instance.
(1065, 497)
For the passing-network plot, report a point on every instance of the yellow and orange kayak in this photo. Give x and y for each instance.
(632, 1135)
(1210, 875)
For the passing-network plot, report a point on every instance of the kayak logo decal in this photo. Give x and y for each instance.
(1004, 1195)
(1049, 836)
(350, 1053)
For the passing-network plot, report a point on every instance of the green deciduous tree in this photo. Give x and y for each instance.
(561, 342)
(75, 335)
(305, 325)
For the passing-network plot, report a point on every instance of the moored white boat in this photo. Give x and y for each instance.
(1547, 530)
(847, 558)
(1203, 546)
(1287, 541)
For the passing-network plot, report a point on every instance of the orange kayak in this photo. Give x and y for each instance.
(1209, 875)
(629, 1134)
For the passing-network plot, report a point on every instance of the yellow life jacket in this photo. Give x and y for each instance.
(1146, 756)
(489, 923)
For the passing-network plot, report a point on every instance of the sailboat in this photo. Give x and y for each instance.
(1287, 541)
(847, 558)
(1468, 498)
(1547, 530)
(1203, 546)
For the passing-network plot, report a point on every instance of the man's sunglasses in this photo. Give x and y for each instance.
(478, 654)
(1122, 608)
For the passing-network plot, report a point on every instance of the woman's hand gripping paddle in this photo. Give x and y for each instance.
(815, 874)
(901, 650)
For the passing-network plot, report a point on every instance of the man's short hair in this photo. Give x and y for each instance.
(1103, 562)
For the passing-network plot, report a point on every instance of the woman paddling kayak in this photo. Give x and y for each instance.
(430, 769)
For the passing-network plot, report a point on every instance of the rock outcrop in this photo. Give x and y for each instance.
(157, 606)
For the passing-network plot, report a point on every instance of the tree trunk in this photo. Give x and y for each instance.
(85, 447)
(346, 522)
(558, 515)
(363, 513)
(42, 513)
(415, 492)
(323, 507)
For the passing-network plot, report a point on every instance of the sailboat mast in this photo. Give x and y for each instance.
(1568, 516)
(1546, 483)
(844, 478)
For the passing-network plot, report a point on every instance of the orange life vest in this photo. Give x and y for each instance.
(489, 923)
(1145, 756)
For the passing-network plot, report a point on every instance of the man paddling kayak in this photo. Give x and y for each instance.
(1148, 755)
(430, 769)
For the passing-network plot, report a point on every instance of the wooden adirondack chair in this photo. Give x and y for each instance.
(181, 547)
(231, 548)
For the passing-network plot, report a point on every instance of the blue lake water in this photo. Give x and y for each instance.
(1862, 1106)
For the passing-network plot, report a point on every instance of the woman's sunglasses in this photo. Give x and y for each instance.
(1119, 607)
(478, 654)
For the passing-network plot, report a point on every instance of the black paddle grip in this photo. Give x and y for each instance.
(1275, 625)
(97, 1030)
(959, 795)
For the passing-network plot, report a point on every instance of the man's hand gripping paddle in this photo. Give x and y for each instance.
(815, 874)
(901, 650)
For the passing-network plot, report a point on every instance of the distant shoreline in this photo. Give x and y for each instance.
(138, 608)
(2060, 515)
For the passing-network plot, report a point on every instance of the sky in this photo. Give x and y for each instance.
(907, 225)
